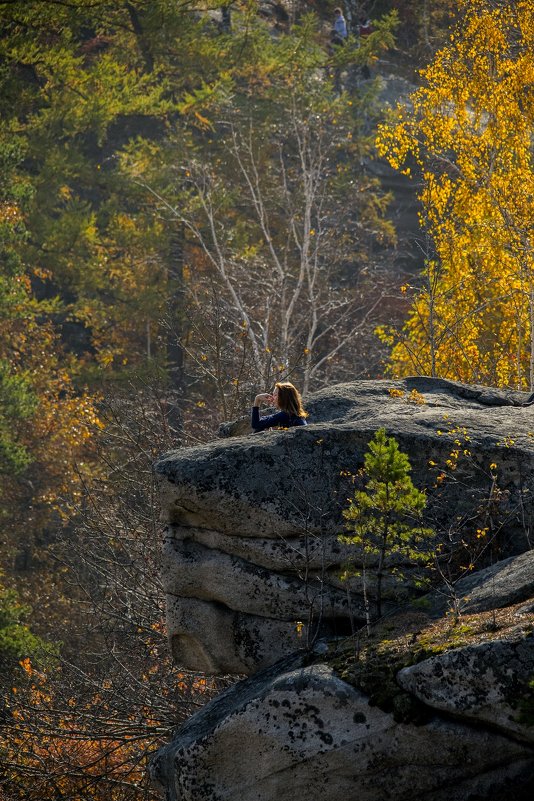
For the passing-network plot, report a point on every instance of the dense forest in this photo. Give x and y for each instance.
(196, 200)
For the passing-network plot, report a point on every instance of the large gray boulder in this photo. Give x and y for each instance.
(328, 724)
(300, 731)
(482, 683)
(252, 561)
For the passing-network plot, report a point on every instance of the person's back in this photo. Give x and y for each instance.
(289, 402)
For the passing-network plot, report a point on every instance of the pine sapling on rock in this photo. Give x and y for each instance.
(385, 520)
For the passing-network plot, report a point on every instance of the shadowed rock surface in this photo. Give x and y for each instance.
(251, 560)
(304, 733)
(299, 731)
(457, 726)
(507, 582)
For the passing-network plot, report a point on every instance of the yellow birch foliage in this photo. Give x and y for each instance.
(468, 133)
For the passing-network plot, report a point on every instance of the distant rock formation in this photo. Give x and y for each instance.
(252, 561)
(456, 726)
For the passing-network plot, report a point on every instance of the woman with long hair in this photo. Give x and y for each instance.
(287, 398)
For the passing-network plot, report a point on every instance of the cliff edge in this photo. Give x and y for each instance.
(252, 559)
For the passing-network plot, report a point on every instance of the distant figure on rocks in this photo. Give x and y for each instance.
(339, 31)
(287, 398)
(365, 27)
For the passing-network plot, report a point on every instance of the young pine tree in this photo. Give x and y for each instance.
(386, 517)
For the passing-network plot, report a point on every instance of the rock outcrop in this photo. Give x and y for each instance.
(507, 582)
(301, 732)
(453, 727)
(430, 707)
(482, 683)
(252, 560)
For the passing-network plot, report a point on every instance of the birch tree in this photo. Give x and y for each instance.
(469, 129)
(283, 219)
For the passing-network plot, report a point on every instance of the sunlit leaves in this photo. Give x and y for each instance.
(470, 132)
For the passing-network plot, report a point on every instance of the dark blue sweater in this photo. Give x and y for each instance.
(280, 419)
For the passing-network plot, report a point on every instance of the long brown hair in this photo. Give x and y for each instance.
(289, 399)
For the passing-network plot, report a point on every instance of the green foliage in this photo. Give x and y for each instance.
(104, 100)
(275, 202)
(386, 517)
(17, 641)
(17, 403)
(79, 81)
(107, 103)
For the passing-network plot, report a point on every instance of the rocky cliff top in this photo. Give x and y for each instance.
(262, 484)
(252, 558)
(437, 703)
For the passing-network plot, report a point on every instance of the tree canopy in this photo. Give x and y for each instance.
(191, 208)
(467, 136)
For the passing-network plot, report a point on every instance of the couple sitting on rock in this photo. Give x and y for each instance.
(287, 398)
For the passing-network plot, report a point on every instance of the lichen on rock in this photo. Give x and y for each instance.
(252, 559)
(432, 706)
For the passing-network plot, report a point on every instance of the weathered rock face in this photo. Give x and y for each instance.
(304, 733)
(301, 729)
(482, 683)
(252, 560)
(507, 582)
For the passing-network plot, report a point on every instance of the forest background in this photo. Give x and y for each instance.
(194, 203)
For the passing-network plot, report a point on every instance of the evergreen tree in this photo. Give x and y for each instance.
(79, 81)
(386, 517)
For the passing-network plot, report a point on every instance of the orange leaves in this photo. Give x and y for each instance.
(188, 682)
(10, 213)
(89, 729)
(26, 665)
(62, 425)
(56, 429)
(47, 746)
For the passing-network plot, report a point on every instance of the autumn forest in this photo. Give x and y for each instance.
(197, 200)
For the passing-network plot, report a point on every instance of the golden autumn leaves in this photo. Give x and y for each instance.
(468, 136)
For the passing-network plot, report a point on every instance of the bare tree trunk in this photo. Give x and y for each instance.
(366, 602)
(140, 36)
(176, 327)
(175, 352)
(276, 269)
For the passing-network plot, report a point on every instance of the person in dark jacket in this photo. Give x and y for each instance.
(287, 398)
